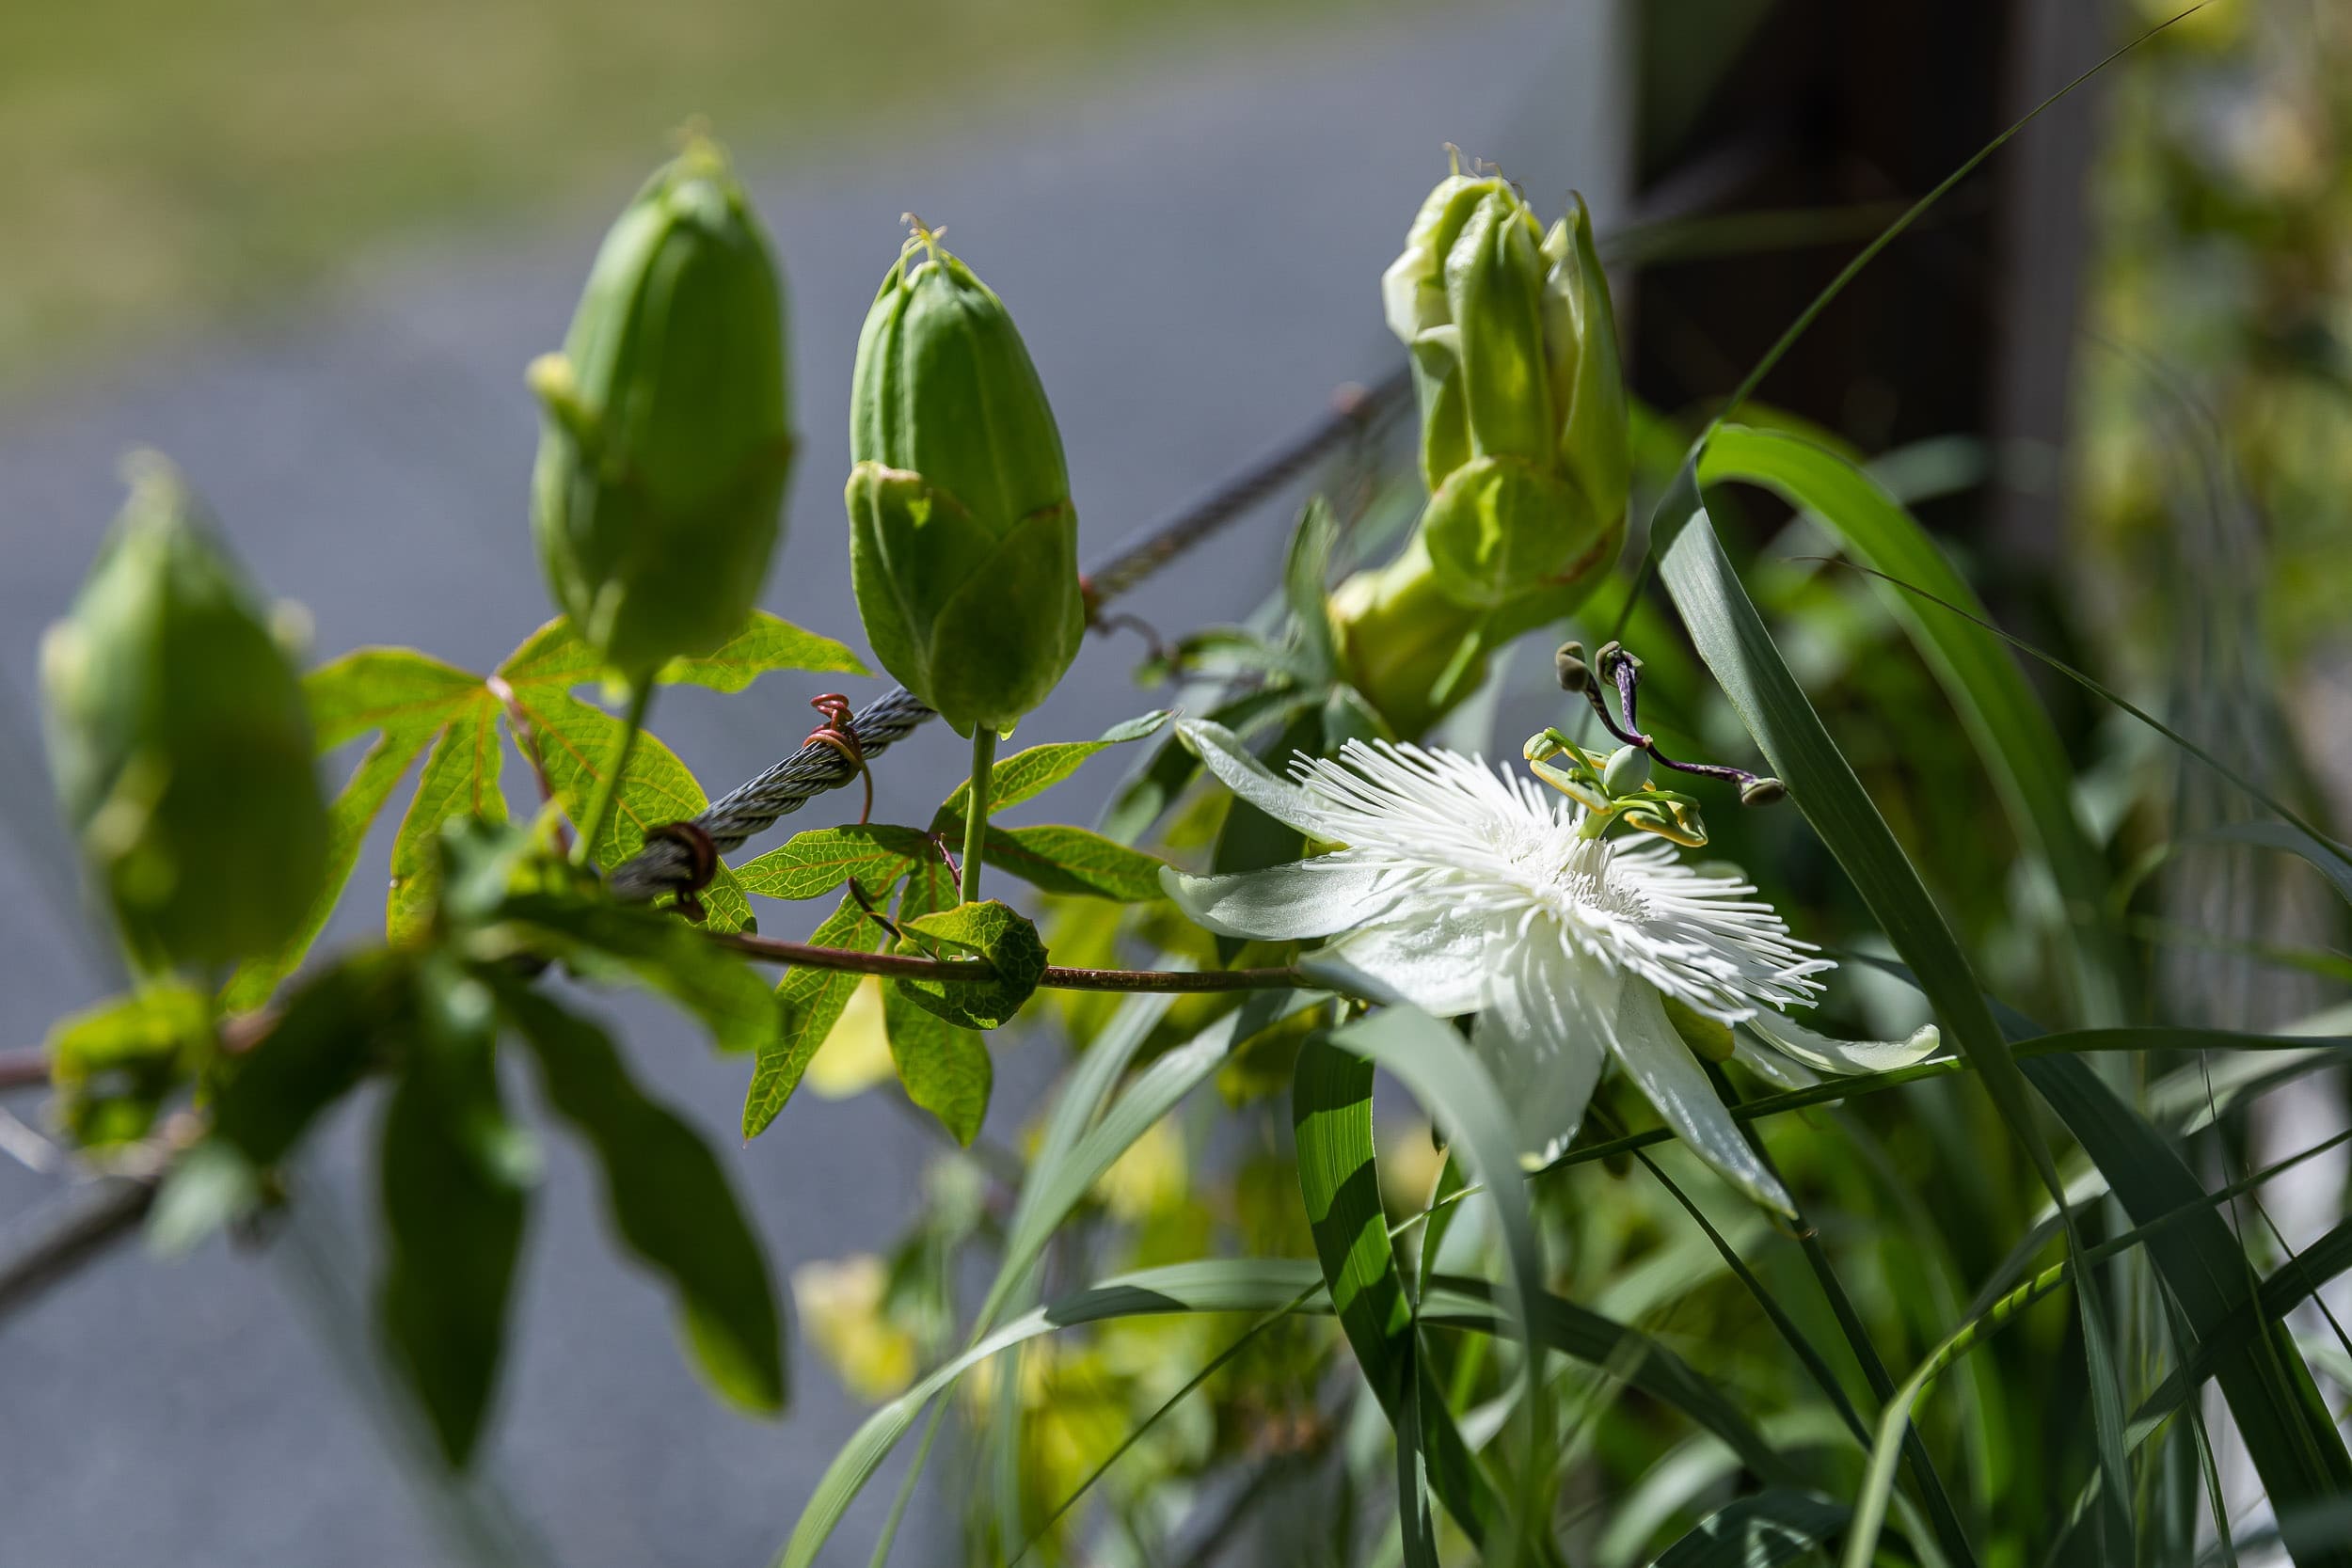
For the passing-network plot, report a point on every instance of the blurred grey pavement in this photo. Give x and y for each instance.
(1192, 250)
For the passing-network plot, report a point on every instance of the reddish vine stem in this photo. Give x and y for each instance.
(908, 966)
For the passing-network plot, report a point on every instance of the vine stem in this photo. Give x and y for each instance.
(909, 966)
(976, 809)
(608, 790)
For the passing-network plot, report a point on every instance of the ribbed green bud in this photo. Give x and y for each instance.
(1524, 441)
(963, 541)
(667, 441)
(178, 742)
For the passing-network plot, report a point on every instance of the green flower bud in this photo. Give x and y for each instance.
(1524, 439)
(178, 742)
(963, 541)
(667, 440)
(1412, 651)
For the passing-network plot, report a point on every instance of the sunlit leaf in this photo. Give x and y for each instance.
(809, 1003)
(1064, 860)
(460, 779)
(946, 1068)
(813, 864)
(1029, 773)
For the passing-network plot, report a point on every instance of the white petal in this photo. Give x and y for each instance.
(1771, 1066)
(1541, 1036)
(1221, 751)
(1436, 956)
(1298, 899)
(1844, 1057)
(1658, 1060)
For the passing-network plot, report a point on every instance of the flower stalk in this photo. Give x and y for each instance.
(976, 811)
(608, 790)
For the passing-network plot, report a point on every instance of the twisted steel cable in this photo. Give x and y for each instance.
(680, 858)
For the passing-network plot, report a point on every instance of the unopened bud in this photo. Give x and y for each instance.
(180, 744)
(1525, 434)
(962, 540)
(1568, 667)
(667, 440)
(1762, 792)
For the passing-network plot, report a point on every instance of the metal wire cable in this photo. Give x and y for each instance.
(681, 860)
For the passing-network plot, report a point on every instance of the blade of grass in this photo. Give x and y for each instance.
(2013, 734)
(1731, 639)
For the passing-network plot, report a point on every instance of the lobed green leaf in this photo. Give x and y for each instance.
(813, 864)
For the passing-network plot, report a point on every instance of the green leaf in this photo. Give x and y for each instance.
(1221, 1286)
(2288, 1432)
(460, 779)
(1339, 1179)
(1731, 639)
(1452, 1086)
(1027, 774)
(809, 1003)
(946, 1068)
(1249, 839)
(408, 698)
(1637, 1359)
(324, 1042)
(397, 690)
(1416, 1521)
(1770, 1528)
(1074, 1155)
(387, 760)
(2328, 860)
(996, 933)
(1064, 860)
(1153, 788)
(2013, 734)
(575, 744)
(114, 1065)
(662, 954)
(1305, 569)
(811, 864)
(669, 1201)
(554, 656)
(766, 643)
(453, 1190)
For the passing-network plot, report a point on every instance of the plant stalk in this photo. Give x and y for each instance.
(976, 809)
(608, 790)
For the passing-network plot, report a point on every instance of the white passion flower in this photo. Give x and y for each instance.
(1463, 890)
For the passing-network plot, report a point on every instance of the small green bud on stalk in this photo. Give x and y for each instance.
(658, 498)
(180, 744)
(962, 538)
(1524, 437)
(1569, 669)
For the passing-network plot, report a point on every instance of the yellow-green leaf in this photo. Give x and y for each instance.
(811, 864)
